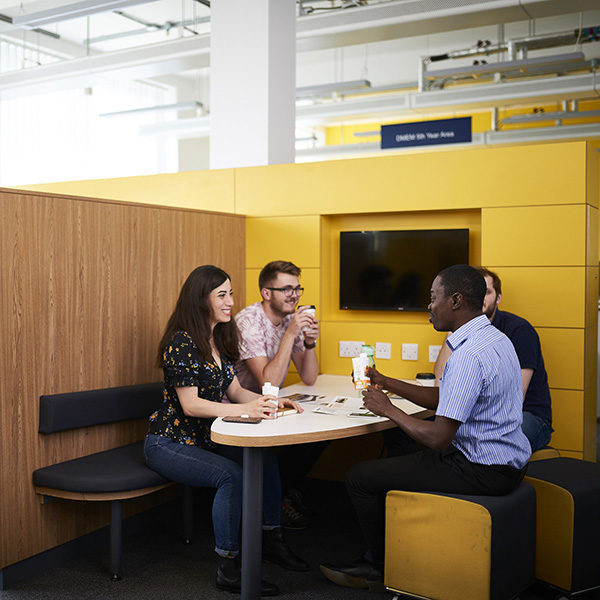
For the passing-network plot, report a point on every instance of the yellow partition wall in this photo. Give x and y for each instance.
(533, 215)
(532, 212)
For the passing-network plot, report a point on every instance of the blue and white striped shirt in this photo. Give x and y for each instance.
(481, 387)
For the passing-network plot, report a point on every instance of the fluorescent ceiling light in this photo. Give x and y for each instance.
(161, 108)
(544, 134)
(71, 11)
(330, 88)
(524, 65)
(552, 116)
(366, 133)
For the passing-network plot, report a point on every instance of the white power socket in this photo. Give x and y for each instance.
(410, 351)
(350, 349)
(433, 353)
(383, 350)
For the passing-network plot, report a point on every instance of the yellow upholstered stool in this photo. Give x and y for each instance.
(568, 523)
(459, 547)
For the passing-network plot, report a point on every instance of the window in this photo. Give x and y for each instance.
(59, 135)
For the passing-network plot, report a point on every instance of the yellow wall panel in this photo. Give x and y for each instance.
(591, 361)
(563, 351)
(591, 293)
(529, 236)
(567, 420)
(525, 293)
(370, 333)
(592, 177)
(466, 179)
(590, 423)
(329, 291)
(201, 190)
(252, 291)
(296, 239)
(593, 235)
(310, 280)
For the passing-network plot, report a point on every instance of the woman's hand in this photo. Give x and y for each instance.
(286, 402)
(263, 407)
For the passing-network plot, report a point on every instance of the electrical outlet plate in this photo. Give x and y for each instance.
(383, 350)
(433, 353)
(410, 351)
(350, 349)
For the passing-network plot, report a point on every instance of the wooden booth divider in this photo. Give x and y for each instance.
(86, 287)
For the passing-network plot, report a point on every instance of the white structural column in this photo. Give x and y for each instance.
(252, 83)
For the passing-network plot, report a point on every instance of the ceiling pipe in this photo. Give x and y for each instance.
(517, 51)
(552, 40)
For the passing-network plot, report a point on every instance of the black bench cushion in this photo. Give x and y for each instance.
(95, 407)
(117, 470)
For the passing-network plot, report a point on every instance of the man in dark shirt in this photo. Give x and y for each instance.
(537, 410)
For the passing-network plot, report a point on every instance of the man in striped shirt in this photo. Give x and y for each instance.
(474, 445)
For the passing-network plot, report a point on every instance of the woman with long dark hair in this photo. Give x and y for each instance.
(197, 354)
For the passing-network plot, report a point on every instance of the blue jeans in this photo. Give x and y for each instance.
(537, 430)
(221, 469)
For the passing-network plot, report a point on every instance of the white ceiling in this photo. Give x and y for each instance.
(381, 40)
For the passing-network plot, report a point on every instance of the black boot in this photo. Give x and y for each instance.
(276, 550)
(229, 577)
(361, 573)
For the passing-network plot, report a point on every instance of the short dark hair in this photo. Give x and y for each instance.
(467, 281)
(495, 279)
(271, 270)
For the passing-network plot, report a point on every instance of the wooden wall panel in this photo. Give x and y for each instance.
(86, 287)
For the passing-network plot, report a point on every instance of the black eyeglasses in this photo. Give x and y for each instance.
(289, 291)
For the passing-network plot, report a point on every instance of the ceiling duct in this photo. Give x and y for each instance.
(74, 10)
(408, 18)
(563, 115)
(518, 63)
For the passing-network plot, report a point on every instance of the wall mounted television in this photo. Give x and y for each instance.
(393, 270)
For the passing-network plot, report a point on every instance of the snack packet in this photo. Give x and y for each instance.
(271, 390)
(360, 365)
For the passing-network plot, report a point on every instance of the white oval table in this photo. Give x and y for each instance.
(291, 429)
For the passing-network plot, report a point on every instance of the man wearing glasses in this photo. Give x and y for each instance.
(272, 335)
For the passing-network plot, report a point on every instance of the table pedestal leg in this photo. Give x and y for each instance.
(252, 513)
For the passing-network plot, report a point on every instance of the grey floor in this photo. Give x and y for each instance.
(156, 564)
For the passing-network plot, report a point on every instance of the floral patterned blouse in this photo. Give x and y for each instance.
(182, 367)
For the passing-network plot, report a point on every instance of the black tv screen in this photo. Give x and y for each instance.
(394, 270)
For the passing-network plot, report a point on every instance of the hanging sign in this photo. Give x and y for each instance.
(426, 133)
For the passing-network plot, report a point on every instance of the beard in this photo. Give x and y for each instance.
(283, 309)
(490, 311)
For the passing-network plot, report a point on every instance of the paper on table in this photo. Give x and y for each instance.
(304, 397)
(343, 405)
(287, 410)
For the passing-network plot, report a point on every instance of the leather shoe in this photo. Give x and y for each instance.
(276, 550)
(361, 573)
(229, 577)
